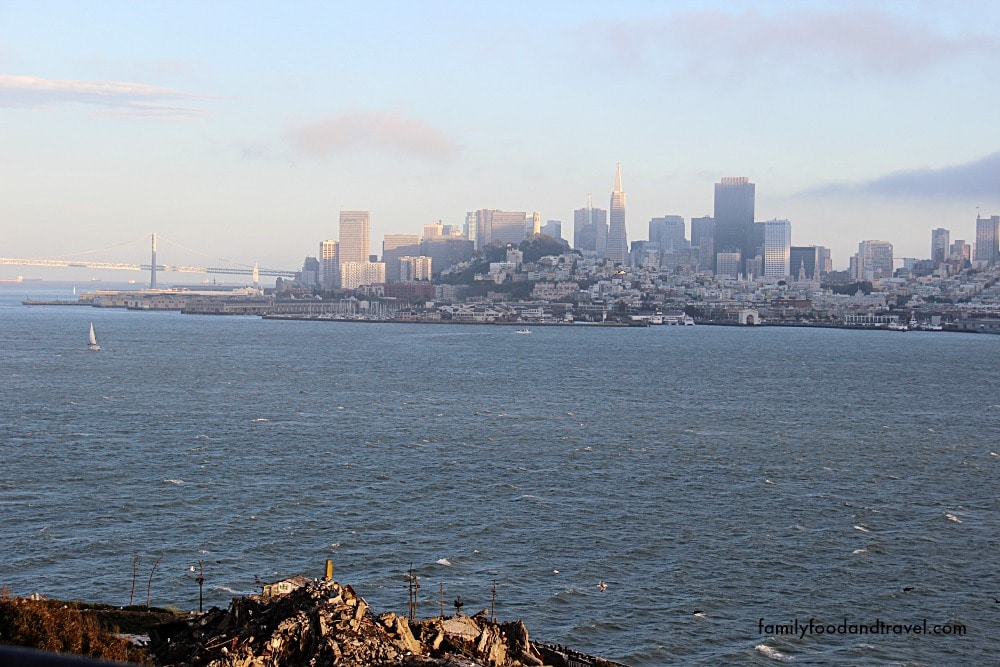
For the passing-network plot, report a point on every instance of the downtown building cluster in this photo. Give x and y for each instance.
(728, 247)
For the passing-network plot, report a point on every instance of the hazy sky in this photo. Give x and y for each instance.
(240, 129)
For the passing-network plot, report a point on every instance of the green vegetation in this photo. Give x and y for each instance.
(850, 289)
(540, 246)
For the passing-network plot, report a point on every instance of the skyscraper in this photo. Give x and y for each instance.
(553, 228)
(493, 226)
(355, 232)
(590, 230)
(777, 248)
(987, 240)
(703, 237)
(808, 260)
(961, 250)
(874, 260)
(734, 207)
(940, 239)
(329, 264)
(617, 238)
(395, 246)
(668, 233)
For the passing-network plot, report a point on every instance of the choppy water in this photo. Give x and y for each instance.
(751, 475)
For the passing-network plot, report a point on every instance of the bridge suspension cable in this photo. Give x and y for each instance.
(90, 252)
(198, 252)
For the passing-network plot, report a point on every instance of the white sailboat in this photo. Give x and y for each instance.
(92, 345)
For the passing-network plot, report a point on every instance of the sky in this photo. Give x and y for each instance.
(240, 129)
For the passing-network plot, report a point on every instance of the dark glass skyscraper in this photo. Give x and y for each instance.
(734, 231)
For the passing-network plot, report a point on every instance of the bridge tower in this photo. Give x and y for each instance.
(152, 266)
(256, 274)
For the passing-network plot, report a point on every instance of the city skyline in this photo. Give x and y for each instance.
(854, 120)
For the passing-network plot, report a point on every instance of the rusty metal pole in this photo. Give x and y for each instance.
(201, 581)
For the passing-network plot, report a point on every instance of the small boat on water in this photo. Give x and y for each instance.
(523, 331)
(92, 344)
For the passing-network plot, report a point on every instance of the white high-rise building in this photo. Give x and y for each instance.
(355, 235)
(414, 268)
(355, 274)
(434, 230)
(777, 248)
(329, 264)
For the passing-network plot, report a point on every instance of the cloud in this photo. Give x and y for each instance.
(716, 44)
(373, 130)
(114, 98)
(975, 181)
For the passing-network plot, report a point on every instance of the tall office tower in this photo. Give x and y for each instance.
(807, 261)
(987, 240)
(961, 250)
(703, 237)
(826, 261)
(493, 226)
(329, 264)
(734, 206)
(509, 227)
(939, 245)
(553, 228)
(728, 264)
(433, 229)
(470, 227)
(446, 252)
(777, 248)
(702, 228)
(395, 246)
(668, 233)
(856, 270)
(617, 248)
(355, 232)
(876, 259)
(590, 230)
(310, 272)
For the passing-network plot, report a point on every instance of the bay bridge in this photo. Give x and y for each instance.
(240, 269)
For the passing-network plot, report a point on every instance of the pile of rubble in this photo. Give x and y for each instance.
(324, 623)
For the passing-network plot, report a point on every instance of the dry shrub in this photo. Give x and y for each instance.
(53, 626)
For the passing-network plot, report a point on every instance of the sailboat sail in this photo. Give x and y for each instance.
(92, 344)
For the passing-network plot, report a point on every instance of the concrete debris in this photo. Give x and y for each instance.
(325, 623)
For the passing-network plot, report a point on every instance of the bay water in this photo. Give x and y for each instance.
(726, 484)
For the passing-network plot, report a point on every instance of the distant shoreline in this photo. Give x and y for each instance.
(577, 324)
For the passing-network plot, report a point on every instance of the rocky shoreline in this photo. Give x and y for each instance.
(326, 623)
(317, 622)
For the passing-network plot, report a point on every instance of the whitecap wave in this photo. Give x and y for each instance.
(173, 481)
(863, 529)
(772, 653)
(443, 561)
